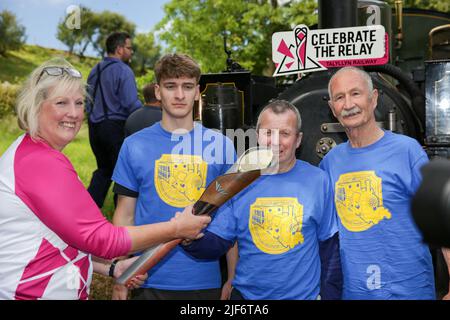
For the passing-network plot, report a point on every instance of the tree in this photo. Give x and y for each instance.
(196, 27)
(109, 22)
(79, 38)
(438, 5)
(90, 22)
(147, 52)
(94, 29)
(67, 36)
(12, 35)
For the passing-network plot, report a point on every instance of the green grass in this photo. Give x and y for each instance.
(9, 131)
(80, 154)
(17, 65)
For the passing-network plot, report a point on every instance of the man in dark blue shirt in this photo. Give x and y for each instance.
(112, 87)
(146, 116)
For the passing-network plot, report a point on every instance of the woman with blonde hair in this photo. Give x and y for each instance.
(49, 224)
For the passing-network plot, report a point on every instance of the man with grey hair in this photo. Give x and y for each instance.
(279, 222)
(375, 174)
(281, 106)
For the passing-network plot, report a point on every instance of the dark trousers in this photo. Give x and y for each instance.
(157, 294)
(441, 272)
(106, 138)
(236, 295)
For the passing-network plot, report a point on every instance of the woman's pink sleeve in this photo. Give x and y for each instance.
(47, 182)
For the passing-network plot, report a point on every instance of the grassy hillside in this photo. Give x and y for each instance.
(18, 64)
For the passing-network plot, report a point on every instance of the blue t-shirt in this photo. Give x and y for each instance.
(278, 222)
(170, 172)
(382, 253)
(119, 91)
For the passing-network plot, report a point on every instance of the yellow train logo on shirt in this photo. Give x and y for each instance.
(276, 224)
(359, 200)
(180, 179)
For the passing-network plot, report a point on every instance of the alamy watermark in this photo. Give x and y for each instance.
(73, 278)
(374, 279)
(73, 19)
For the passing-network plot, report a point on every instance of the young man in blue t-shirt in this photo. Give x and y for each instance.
(284, 224)
(166, 167)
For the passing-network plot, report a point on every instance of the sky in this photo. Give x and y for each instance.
(41, 17)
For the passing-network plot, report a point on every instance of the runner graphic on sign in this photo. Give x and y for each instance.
(289, 52)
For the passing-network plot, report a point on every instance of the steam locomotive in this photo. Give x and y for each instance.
(409, 85)
(414, 87)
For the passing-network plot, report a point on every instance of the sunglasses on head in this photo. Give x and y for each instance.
(59, 71)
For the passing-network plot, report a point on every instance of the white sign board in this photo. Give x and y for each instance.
(304, 50)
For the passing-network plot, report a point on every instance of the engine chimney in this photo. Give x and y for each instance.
(338, 13)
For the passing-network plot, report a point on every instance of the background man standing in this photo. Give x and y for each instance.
(112, 86)
(146, 116)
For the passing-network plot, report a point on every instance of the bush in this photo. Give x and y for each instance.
(8, 95)
(12, 35)
(141, 81)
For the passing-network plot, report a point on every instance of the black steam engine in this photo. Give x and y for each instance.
(414, 88)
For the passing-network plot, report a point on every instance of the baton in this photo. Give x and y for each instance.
(247, 169)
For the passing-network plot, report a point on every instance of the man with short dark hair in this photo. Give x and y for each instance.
(112, 87)
(146, 116)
